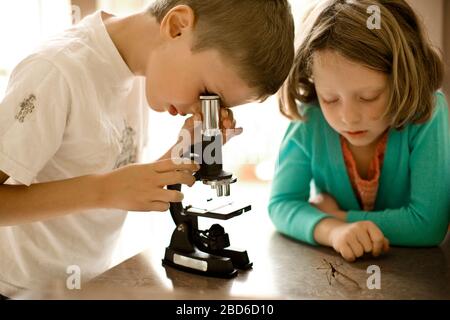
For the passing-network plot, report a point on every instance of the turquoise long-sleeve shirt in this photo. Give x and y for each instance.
(412, 206)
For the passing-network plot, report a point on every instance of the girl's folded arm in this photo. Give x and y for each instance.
(289, 208)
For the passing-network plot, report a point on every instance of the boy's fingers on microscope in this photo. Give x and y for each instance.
(159, 206)
(167, 196)
(169, 165)
(173, 196)
(227, 120)
(236, 131)
(226, 113)
(228, 124)
(178, 177)
(230, 133)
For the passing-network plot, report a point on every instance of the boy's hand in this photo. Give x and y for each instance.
(140, 187)
(227, 124)
(352, 240)
(191, 131)
(191, 127)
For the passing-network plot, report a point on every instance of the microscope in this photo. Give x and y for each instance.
(207, 252)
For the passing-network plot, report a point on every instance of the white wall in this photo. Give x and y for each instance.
(432, 13)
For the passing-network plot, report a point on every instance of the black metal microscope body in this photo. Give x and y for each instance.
(206, 252)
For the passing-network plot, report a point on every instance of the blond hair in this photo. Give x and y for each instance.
(399, 49)
(257, 36)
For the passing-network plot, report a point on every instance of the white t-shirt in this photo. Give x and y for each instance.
(72, 108)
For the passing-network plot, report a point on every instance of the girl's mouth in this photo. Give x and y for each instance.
(356, 133)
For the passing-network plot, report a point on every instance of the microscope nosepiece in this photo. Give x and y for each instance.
(223, 190)
(226, 190)
(219, 191)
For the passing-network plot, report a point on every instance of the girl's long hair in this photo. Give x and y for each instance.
(399, 48)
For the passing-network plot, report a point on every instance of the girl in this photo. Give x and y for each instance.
(375, 136)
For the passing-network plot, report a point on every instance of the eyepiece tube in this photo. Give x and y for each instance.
(211, 113)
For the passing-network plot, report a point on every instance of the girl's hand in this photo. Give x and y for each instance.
(326, 203)
(352, 240)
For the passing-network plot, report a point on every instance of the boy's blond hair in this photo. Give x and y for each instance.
(255, 36)
(399, 49)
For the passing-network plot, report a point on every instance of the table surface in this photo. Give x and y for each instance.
(282, 269)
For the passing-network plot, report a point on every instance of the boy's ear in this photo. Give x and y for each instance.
(179, 20)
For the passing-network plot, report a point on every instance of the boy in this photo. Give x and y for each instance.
(73, 120)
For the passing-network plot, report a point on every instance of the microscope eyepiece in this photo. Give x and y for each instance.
(211, 171)
(211, 115)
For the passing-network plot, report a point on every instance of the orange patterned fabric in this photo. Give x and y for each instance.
(365, 189)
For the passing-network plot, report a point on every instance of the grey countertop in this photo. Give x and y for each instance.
(283, 269)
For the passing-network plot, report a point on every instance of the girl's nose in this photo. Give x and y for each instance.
(350, 114)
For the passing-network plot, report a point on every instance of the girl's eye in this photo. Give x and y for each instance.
(369, 99)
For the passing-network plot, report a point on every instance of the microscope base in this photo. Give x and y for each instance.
(199, 262)
(238, 257)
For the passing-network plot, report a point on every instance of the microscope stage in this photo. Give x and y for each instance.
(222, 208)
